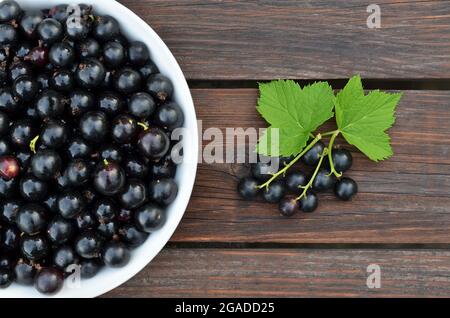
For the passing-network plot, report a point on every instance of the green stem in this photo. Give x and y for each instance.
(33, 144)
(282, 171)
(144, 126)
(311, 181)
(329, 133)
(330, 155)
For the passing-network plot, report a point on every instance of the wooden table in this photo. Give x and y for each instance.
(401, 218)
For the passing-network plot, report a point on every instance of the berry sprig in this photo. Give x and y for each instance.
(294, 114)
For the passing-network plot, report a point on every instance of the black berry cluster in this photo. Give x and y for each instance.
(85, 152)
(296, 190)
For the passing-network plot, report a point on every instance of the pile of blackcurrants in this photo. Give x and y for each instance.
(296, 191)
(86, 167)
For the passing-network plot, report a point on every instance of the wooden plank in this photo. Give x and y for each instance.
(290, 273)
(302, 39)
(402, 200)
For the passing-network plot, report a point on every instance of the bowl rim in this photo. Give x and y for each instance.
(186, 171)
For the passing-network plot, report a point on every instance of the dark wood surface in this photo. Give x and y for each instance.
(290, 273)
(400, 220)
(269, 39)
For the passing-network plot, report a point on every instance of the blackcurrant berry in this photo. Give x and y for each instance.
(295, 180)
(71, 204)
(54, 134)
(309, 202)
(288, 206)
(141, 105)
(148, 69)
(90, 267)
(64, 257)
(134, 168)
(33, 189)
(135, 194)
(88, 245)
(6, 278)
(50, 30)
(275, 192)
(62, 80)
(30, 21)
(50, 104)
(263, 171)
(25, 88)
(163, 191)
(49, 281)
(4, 123)
(46, 164)
(34, 248)
(24, 273)
(113, 54)
(78, 172)
(9, 167)
(248, 188)
(8, 102)
(115, 254)
(60, 230)
(324, 180)
(61, 54)
(90, 73)
(10, 238)
(80, 102)
(31, 218)
(8, 35)
(9, 10)
(94, 126)
(153, 143)
(160, 87)
(127, 81)
(131, 236)
(345, 189)
(111, 103)
(150, 218)
(89, 48)
(138, 53)
(38, 56)
(106, 28)
(312, 156)
(124, 128)
(9, 210)
(169, 116)
(342, 160)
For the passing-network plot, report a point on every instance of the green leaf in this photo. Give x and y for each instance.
(364, 119)
(295, 112)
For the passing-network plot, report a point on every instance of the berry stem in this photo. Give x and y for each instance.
(144, 126)
(311, 181)
(282, 171)
(33, 144)
(330, 155)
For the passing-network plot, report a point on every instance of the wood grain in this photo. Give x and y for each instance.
(262, 39)
(405, 199)
(290, 273)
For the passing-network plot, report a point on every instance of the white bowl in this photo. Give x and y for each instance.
(135, 28)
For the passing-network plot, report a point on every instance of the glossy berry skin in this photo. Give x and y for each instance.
(164, 168)
(54, 134)
(88, 245)
(170, 116)
(9, 10)
(295, 180)
(10, 238)
(148, 69)
(153, 143)
(9, 210)
(5, 147)
(8, 188)
(62, 80)
(30, 21)
(124, 129)
(105, 210)
(342, 160)
(31, 218)
(8, 35)
(43, 80)
(312, 157)
(94, 126)
(345, 189)
(80, 102)
(109, 179)
(108, 229)
(61, 54)
(150, 218)
(134, 194)
(163, 191)
(115, 254)
(24, 158)
(141, 105)
(106, 28)
(9, 167)
(90, 73)
(25, 88)
(60, 230)
(110, 103)
(131, 236)
(24, 273)
(324, 180)
(22, 50)
(124, 215)
(77, 172)
(89, 48)
(59, 12)
(6, 278)
(138, 53)
(50, 104)
(46, 164)
(127, 81)
(309, 202)
(50, 31)
(160, 87)
(111, 153)
(248, 188)
(263, 171)
(113, 54)
(8, 102)
(134, 168)
(38, 56)
(49, 281)
(71, 204)
(78, 148)
(33, 189)
(275, 192)
(90, 268)
(85, 221)
(289, 206)
(50, 203)
(18, 69)
(63, 257)
(77, 29)
(34, 248)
